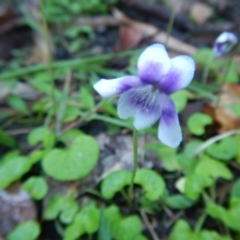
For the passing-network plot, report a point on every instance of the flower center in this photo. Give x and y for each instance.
(154, 88)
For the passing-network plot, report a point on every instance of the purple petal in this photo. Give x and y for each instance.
(180, 75)
(109, 88)
(143, 103)
(169, 130)
(153, 63)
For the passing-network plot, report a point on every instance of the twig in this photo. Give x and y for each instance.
(18, 131)
(62, 106)
(148, 225)
(80, 120)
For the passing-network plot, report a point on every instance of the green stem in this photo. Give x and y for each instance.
(224, 81)
(135, 163)
(200, 222)
(64, 64)
(170, 25)
(49, 55)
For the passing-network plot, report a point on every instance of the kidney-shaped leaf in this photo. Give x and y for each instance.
(12, 169)
(73, 163)
(29, 230)
(152, 183)
(37, 187)
(114, 182)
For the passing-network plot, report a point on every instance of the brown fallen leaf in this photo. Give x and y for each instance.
(201, 12)
(132, 32)
(223, 114)
(16, 206)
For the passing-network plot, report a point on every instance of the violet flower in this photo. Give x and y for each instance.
(224, 43)
(146, 96)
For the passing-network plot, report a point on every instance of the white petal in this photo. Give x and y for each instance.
(153, 63)
(180, 75)
(169, 130)
(109, 88)
(143, 103)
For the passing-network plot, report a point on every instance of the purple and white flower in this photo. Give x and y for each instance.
(224, 43)
(146, 96)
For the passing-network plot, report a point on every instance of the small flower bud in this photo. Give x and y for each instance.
(224, 43)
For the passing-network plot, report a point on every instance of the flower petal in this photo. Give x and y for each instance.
(153, 63)
(180, 75)
(109, 88)
(169, 130)
(144, 103)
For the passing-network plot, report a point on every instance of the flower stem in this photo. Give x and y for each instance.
(135, 163)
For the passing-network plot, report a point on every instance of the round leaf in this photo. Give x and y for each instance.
(12, 169)
(196, 123)
(114, 182)
(73, 163)
(36, 186)
(41, 134)
(29, 230)
(152, 183)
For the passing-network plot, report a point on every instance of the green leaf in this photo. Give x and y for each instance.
(71, 113)
(212, 235)
(28, 230)
(6, 140)
(69, 136)
(186, 163)
(17, 103)
(152, 183)
(12, 169)
(235, 108)
(36, 156)
(195, 184)
(73, 163)
(181, 231)
(86, 221)
(168, 156)
(178, 201)
(69, 209)
(54, 207)
(65, 206)
(203, 54)
(225, 150)
(41, 135)
(212, 168)
(230, 217)
(90, 217)
(191, 147)
(197, 122)
(235, 190)
(128, 228)
(180, 99)
(104, 231)
(115, 182)
(36, 186)
(86, 98)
